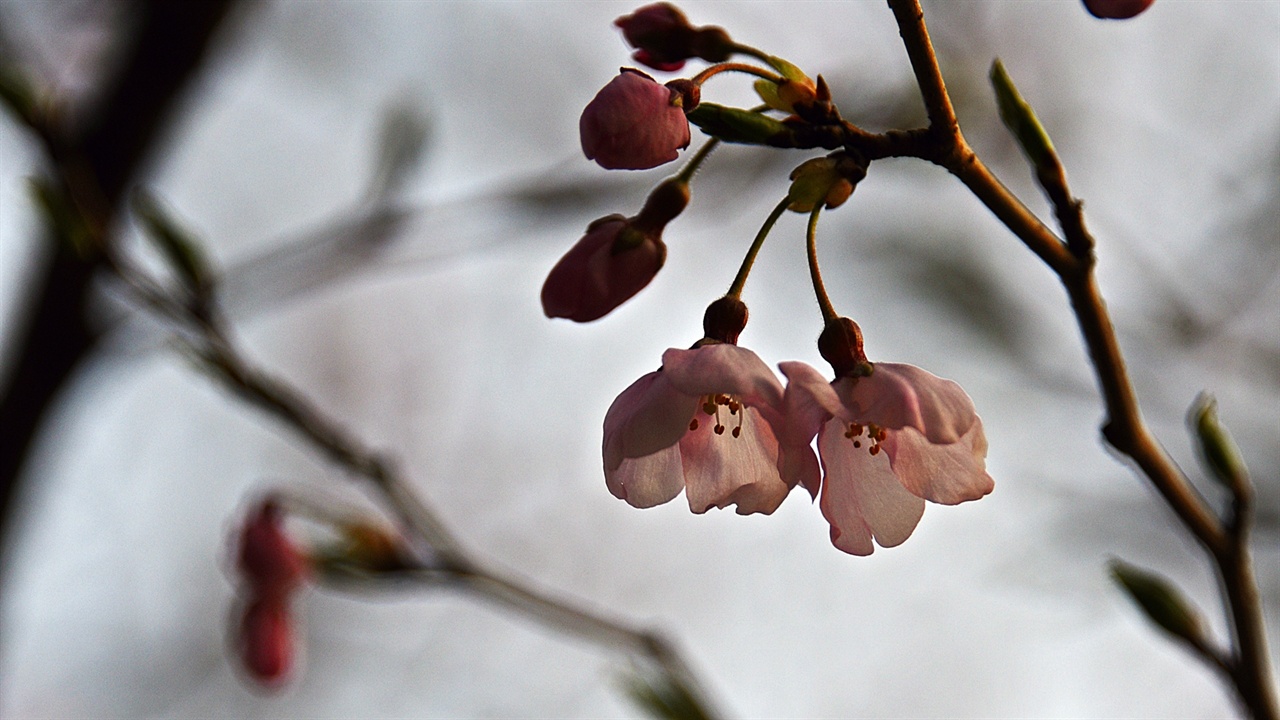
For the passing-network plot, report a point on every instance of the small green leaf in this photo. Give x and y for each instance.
(663, 697)
(1217, 449)
(736, 125)
(1021, 119)
(1162, 603)
(787, 70)
(180, 249)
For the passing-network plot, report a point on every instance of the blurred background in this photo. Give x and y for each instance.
(404, 298)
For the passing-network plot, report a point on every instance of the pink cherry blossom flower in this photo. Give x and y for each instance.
(1116, 9)
(268, 560)
(266, 642)
(634, 123)
(706, 422)
(887, 442)
(602, 271)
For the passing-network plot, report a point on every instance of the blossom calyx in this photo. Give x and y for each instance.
(612, 262)
(724, 320)
(840, 344)
(664, 39)
(634, 123)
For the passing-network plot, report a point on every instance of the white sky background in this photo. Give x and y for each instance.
(115, 594)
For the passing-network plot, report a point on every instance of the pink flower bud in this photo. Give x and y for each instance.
(634, 124)
(664, 39)
(609, 265)
(266, 640)
(268, 560)
(1116, 9)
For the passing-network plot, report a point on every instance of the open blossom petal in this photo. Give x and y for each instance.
(945, 474)
(887, 442)
(647, 481)
(648, 416)
(706, 422)
(724, 368)
(808, 402)
(861, 497)
(897, 396)
(721, 471)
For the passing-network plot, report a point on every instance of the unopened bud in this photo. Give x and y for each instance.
(1217, 449)
(1160, 601)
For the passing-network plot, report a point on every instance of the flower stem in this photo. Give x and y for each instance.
(735, 290)
(714, 70)
(686, 173)
(811, 245)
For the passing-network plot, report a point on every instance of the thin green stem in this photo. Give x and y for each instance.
(735, 290)
(753, 52)
(811, 245)
(686, 173)
(714, 70)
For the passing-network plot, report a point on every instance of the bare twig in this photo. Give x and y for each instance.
(1124, 429)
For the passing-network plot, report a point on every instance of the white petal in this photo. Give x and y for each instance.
(646, 417)
(947, 474)
(722, 470)
(897, 396)
(647, 481)
(724, 368)
(861, 497)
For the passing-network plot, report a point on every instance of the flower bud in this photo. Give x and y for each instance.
(266, 640)
(840, 344)
(664, 39)
(634, 123)
(611, 263)
(1116, 9)
(725, 319)
(268, 559)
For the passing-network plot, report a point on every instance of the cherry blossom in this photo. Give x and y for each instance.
(634, 123)
(888, 441)
(603, 270)
(706, 422)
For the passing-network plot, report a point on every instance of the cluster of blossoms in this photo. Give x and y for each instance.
(714, 420)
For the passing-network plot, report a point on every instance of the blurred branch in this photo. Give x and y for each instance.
(1124, 429)
(197, 319)
(93, 167)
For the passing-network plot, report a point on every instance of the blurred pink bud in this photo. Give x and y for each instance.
(609, 265)
(1116, 9)
(268, 559)
(266, 640)
(664, 39)
(634, 123)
